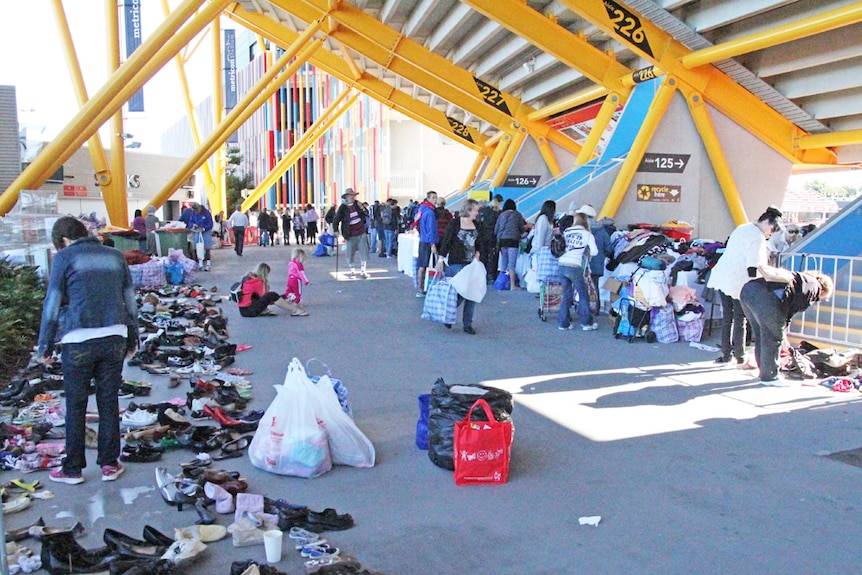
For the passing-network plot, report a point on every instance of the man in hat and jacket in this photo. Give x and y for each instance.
(350, 220)
(202, 227)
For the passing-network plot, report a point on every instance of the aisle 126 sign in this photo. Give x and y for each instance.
(513, 181)
(658, 193)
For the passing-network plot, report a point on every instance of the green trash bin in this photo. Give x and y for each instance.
(171, 240)
(124, 242)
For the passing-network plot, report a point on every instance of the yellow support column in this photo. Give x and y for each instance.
(216, 196)
(630, 165)
(703, 122)
(314, 132)
(163, 45)
(114, 193)
(97, 150)
(497, 156)
(190, 107)
(548, 156)
(606, 112)
(509, 157)
(474, 169)
(265, 87)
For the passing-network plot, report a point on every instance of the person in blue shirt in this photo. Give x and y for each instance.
(425, 221)
(202, 229)
(90, 308)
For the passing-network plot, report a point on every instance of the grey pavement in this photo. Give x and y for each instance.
(693, 468)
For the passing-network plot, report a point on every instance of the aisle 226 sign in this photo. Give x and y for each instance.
(658, 193)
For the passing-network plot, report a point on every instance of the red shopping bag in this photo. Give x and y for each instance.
(482, 448)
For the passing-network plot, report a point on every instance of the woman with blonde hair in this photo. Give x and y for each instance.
(770, 302)
(256, 296)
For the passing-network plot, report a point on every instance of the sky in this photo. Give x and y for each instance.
(43, 89)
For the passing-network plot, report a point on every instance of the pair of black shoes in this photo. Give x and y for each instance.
(315, 521)
(240, 567)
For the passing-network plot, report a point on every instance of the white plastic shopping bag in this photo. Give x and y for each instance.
(470, 281)
(289, 440)
(347, 444)
(200, 249)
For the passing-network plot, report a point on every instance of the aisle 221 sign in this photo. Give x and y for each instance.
(658, 193)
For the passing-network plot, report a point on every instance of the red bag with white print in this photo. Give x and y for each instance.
(482, 449)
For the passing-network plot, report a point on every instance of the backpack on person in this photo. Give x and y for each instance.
(558, 245)
(235, 293)
(386, 215)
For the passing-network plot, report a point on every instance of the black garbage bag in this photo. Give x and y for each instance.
(450, 404)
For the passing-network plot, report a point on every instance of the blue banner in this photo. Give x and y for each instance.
(132, 17)
(230, 91)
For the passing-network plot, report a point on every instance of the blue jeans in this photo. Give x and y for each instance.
(263, 240)
(390, 235)
(469, 305)
(100, 360)
(574, 278)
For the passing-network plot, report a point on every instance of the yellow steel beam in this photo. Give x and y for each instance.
(497, 156)
(152, 54)
(254, 99)
(114, 193)
(548, 156)
(831, 139)
(216, 195)
(571, 49)
(351, 62)
(705, 128)
(97, 150)
(314, 133)
(603, 118)
(829, 20)
(509, 156)
(474, 169)
(419, 65)
(378, 89)
(566, 104)
(662, 50)
(190, 107)
(630, 165)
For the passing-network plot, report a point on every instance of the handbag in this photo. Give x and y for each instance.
(200, 248)
(502, 283)
(482, 449)
(441, 303)
(431, 272)
(470, 281)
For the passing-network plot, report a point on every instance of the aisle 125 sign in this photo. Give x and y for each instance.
(628, 25)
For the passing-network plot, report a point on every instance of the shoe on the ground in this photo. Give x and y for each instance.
(469, 329)
(352, 274)
(60, 477)
(777, 382)
(570, 326)
(723, 359)
(111, 472)
(364, 275)
(184, 550)
(319, 551)
(420, 294)
(592, 327)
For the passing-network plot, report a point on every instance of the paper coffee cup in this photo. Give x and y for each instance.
(272, 545)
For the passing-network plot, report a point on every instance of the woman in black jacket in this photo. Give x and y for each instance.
(462, 244)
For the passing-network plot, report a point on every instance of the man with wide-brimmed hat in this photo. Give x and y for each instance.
(350, 220)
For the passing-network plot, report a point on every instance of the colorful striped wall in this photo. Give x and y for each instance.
(350, 154)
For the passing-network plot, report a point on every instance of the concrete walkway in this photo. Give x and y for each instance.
(693, 468)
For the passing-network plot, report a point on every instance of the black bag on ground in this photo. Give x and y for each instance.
(449, 404)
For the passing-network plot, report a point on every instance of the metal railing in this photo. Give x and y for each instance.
(837, 321)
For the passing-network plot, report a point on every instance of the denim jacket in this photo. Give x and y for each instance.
(90, 286)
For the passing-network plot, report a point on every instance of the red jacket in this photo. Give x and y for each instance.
(252, 286)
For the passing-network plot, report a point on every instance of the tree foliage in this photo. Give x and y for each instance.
(829, 191)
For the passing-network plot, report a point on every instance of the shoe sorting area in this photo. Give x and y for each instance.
(692, 466)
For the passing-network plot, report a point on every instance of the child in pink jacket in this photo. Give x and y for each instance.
(295, 277)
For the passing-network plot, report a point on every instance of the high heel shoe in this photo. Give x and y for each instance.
(130, 547)
(156, 537)
(176, 492)
(24, 532)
